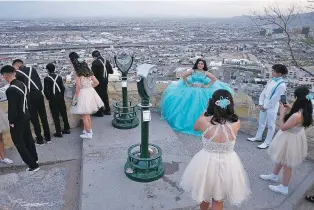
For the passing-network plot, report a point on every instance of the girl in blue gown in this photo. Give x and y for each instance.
(183, 102)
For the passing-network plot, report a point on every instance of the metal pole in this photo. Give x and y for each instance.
(145, 130)
(124, 94)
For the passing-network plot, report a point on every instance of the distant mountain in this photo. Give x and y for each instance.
(302, 20)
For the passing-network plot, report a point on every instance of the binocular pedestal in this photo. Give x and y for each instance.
(124, 113)
(144, 162)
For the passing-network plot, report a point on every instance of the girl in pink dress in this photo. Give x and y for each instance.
(86, 101)
(289, 147)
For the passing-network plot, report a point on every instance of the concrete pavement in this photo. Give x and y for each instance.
(59, 150)
(56, 186)
(105, 186)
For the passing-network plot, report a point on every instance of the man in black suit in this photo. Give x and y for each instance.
(18, 117)
(101, 69)
(30, 77)
(54, 92)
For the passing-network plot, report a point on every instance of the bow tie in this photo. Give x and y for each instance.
(276, 79)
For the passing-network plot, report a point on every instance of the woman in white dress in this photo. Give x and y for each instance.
(86, 101)
(216, 174)
(289, 147)
(4, 126)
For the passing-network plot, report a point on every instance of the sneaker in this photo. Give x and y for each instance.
(254, 139)
(263, 146)
(6, 161)
(33, 169)
(279, 189)
(86, 136)
(270, 177)
(84, 132)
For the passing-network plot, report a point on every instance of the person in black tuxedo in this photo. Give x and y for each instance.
(19, 119)
(30, 77)
(101, 68)
(54, 92)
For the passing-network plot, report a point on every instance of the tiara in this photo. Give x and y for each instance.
(223, 102)
(309, 97)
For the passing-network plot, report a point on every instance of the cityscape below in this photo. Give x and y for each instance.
(238, 53)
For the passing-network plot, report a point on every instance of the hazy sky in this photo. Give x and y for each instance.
(127, 8)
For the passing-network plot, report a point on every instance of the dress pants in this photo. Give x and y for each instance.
(102, 91)
(37, 107)
(23, 140)
(58, 107)
(268, 117)
(105, 99)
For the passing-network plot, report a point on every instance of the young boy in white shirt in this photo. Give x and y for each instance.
(269, 104)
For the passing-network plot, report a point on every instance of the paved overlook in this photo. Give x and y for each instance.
(89, 174)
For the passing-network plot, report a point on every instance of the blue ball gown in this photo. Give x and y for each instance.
(182, 105)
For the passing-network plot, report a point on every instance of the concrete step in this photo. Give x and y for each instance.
(105, 186)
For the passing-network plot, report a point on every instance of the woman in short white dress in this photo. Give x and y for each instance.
(86, 101)
(289, 147)
(4, 126)
(216, 174)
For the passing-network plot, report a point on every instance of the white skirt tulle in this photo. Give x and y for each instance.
(288, 148)
(218, 176)
(4, 123)
(88, 102)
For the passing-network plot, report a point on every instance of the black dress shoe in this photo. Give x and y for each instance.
(40, 141)
(48, 140)
(98, 114)
(66, 131)
(59, 135)
(107, 112)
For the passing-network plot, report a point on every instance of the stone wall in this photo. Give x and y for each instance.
(244, 103)
(74, 121)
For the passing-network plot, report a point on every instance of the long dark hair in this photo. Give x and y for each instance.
(196, 63)
(302, 104)
(96, 54)
(73, 56)
(81, 68)
(221, 115)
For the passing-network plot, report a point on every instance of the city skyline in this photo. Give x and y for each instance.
(136, 9)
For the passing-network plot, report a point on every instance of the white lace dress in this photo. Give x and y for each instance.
(289, 147)
(216, 172)
(89, 101)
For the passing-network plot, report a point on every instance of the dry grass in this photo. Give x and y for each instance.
(242, 111)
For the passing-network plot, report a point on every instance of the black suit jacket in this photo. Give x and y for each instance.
(48, 87)
(34, 76)
(16, 102)
(98, 70)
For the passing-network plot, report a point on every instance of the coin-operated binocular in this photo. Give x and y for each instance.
(144, 163)
(124, 113)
